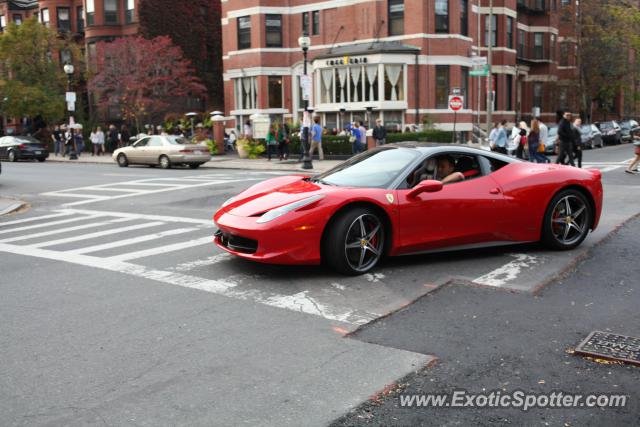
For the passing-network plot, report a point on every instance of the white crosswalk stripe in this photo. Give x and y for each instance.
(133, 240)
(61, 230)
(97, 234)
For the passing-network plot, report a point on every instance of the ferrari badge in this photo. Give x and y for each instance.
(390, 197)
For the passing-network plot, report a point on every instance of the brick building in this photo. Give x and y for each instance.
(402, 58)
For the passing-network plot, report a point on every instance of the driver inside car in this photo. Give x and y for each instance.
(446, 170)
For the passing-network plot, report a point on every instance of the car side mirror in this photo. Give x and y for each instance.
(426, 186)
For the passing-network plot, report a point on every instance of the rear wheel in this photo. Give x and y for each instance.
(123, 162)
(194, 165)
(567, 220)
(13, 157)
(355, 241)
(165, 163)
(41, 160)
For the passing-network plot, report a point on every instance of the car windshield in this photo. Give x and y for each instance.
(586, 129)
(372, 169)
(553, 131)
(607, 125)
(177, 140)
(27, 140)
(625, 125)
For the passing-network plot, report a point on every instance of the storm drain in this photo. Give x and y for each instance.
(609, 346)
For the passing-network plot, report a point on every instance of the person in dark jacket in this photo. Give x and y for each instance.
(379, 133)
(577, 141)
(112, 138)
(125, 136)
(565, 137)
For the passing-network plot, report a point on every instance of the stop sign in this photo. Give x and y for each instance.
(455, 103)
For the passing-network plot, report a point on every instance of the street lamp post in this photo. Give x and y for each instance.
(304, 43)
(69, 69)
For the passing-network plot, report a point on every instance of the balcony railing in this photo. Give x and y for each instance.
(533, 6)
(534, 53)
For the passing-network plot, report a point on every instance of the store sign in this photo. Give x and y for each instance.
(260, 126)
(345, 60)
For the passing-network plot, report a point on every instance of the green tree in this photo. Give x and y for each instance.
(31, 81)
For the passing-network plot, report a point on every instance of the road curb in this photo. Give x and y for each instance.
(13, 207)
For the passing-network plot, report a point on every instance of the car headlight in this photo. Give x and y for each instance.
(278, 212)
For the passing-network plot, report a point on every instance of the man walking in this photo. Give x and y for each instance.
(565, 135)
(56, 136)
(501, 139)
(363, 136)
(112, 138)
(316, 139)
(379, 133)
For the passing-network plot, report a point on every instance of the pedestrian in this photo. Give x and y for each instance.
(534, 141)
(363, 136)
(283, 146)
(578, 146)
(493, 135)
(316, 138)
(272, 141)
(354, 138)
(98, 141)
(79, 141)
(125, 136)
(231, 141)
(633, 167)
(56, 136)
(501, 139)
(565, 137)
(521, 140)
(544, 136)
(69, 141)
(112, 138)
(379, 133)
(248, 131)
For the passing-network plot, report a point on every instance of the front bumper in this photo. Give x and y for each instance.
(294, 242)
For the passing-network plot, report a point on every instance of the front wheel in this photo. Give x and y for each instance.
(355, 241)
(567, 220)
(122, 160)
(12, 156)
(165, 163)
(194, 165)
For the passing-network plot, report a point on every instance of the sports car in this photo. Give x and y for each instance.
(391, 201)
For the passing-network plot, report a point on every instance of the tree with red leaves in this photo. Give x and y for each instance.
(195, 26)
(145, 78)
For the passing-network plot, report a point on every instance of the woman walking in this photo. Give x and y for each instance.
(534, 141)
(283, 145)
(272, 141)
(97, 140)
(634, 164)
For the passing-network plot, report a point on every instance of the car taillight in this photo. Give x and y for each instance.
(186, 151)
(22, 146)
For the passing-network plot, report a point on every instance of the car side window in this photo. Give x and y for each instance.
(457, 166)
(492, 165)
(142, 143)
(156, 141)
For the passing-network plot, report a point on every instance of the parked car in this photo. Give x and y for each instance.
(628, 129)
(611, 132)
(14, 148)
(163, 151)
(550, 143)
(591, 136)
(375, 204)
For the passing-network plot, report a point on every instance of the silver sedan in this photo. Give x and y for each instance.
(163, 151)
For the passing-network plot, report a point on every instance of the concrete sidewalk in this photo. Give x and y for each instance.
(227, 161)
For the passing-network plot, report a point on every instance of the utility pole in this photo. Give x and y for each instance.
(490, 63)
(479, 81)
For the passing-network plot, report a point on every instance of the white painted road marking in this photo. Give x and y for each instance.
(35, 218)
(212, 260)
(61, 230)
(96, 234)
(50, 224)
(163, 249)
(133, 240)
(508, 272)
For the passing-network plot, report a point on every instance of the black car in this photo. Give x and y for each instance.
(611, 132)
(591, 136)
(14, 148)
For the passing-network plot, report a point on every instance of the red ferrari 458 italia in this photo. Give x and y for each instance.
(407, 199)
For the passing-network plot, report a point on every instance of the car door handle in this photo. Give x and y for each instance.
(494, 191)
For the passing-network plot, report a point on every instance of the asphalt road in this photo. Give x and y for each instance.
(117, 309)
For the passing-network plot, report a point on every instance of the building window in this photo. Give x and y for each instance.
(110, 12)
(246, 91)
(3, 22)
(495, 91)
(244, 32)
(305, 23)
(393, 82)
(326, 85)
(442, 16)
(64, 19)
(17, 19)
(80, 19)
(464, 17)
(552, 49)
(370, 83)
(564, 54)
(537, 95)
(509, 32)
(538, 45)
(44, 17)
(494, 30)
(565, 3)
(509, 92)
(92, 57)
(130, 12)
(91, 12)
(316, 23)
(563, 98)
(274, 30)
(275, 92)
(396, 17)
(442, 86)
(464, 89)
(65, 56)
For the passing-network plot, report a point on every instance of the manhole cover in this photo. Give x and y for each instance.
(611, 346)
